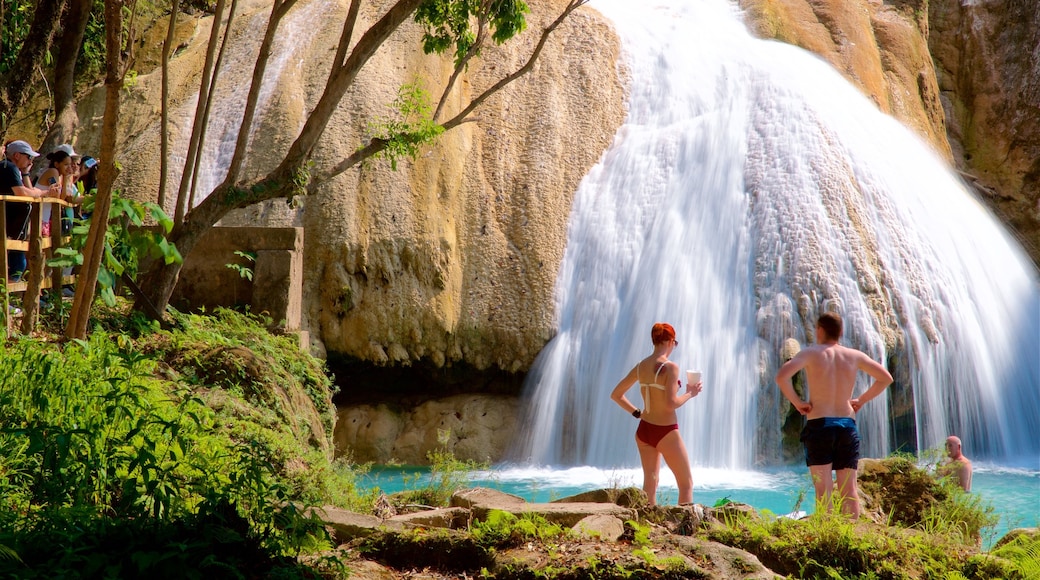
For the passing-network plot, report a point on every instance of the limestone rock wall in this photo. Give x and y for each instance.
(882, 47)
(987, 56)
(471, 427)
(964, 75)
(452, 257)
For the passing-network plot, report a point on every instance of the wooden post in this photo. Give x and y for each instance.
(56, 279)
(31, 297)
(3, 266)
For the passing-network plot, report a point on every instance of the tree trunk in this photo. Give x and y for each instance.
(197, 125)
(95, 248)
(66, 119)
(164, 123)
(14, 86)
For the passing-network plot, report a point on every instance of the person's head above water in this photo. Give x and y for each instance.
(662, 332)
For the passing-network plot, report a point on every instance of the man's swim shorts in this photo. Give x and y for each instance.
(833, 440)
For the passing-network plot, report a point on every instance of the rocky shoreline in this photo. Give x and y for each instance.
(612, 533)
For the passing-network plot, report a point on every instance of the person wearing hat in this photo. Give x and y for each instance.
(68, 150)
(14, 169)
(14, 180)
(58, 180)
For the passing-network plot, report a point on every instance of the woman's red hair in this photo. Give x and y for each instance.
(662, 332)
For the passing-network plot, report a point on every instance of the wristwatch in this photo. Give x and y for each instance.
(637, 413)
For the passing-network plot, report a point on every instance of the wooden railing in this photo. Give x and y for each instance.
(38, 249)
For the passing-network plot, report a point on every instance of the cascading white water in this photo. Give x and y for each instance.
(296, 32)
(751, 188)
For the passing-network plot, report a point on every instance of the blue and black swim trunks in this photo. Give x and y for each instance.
(833, 440)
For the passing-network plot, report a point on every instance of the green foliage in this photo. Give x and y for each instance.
(93, 445)
(127, 242)
(722, 501)
(502, 529)
(447, 475)
(1022, 553)
(827, 545)
(234, 352)
(448, 23)
(18, 16)
(216, 542)
(646, 553)
(110, 469)
(244, 270)
(913, 497)
(410, 128)
(959, 514)
(90, 64)
(441, 549)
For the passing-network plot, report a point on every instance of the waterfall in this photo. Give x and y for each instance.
(750, 189)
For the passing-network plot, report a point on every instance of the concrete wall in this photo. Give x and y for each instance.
(277, 285)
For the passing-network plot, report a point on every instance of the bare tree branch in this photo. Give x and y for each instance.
(164, 118)
(474, 49)
(209, 104)
(193, 141)
(346, 35)
(526, 68)
(376, 146)
(278, 12)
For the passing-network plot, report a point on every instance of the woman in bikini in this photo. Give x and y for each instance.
(658, 432)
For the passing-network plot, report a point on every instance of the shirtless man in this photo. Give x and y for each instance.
(830, 436)
(958, 465)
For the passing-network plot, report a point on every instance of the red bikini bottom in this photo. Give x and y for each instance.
(652, 434)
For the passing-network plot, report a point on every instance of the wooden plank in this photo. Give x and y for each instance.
(38, 248)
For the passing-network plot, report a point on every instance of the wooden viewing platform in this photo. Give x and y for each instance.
(38, 249)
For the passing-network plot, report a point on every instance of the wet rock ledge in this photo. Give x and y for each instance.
(605, 539)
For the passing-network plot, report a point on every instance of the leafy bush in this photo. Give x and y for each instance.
(502, 529)
(127, 243)
(910, 496)
(447, 475)
(107, 468)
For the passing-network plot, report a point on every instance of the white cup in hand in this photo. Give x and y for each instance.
(693, 377)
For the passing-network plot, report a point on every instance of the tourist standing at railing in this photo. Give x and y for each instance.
(14, 180)
(87, 181)
(59, 180)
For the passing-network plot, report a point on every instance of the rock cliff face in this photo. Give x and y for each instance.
(987, 58)
(880, 47)
(452, 257)
(964, 75)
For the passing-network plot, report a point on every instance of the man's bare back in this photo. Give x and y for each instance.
(830, 371)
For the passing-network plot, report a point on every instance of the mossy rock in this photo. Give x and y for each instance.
(899, 489)
(625, 497)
